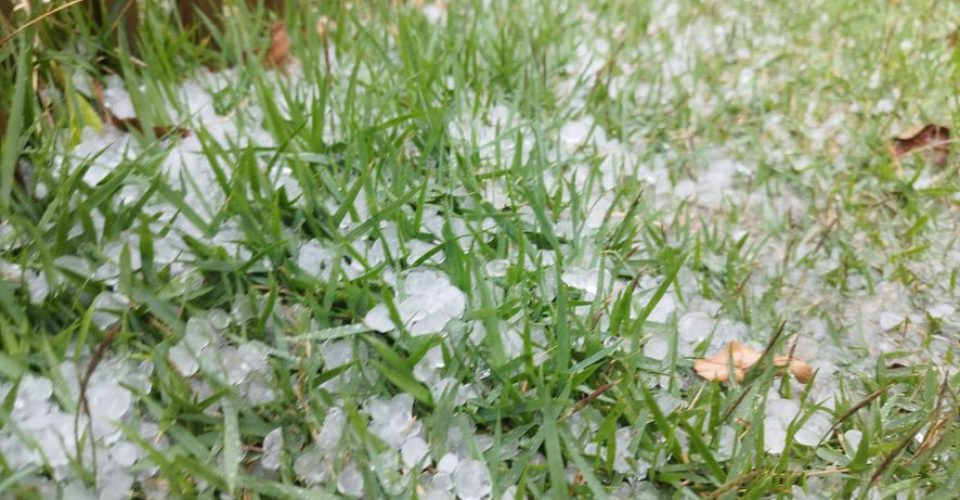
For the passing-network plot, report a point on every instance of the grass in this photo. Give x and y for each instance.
(443, 145)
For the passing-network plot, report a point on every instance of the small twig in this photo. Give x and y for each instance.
(937, 422)
(826, 233)
(746, 478)
(731, 408)
(739, 289)
(888, 460)
(768, 350)
(696, 397)
(598, 314)
(83, 404)
(581, 404)
(932, 433)
(854, 409)
(826, 472)
(606, 72)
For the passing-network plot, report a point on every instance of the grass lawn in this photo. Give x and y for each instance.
(473, 249)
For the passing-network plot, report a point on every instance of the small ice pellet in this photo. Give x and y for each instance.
(125, 453)
(471, 480)
(272, 444)
(889, 320)
(413, 451)
(656, 348)
(448, 463)
(350, 481)
(774, 437)
(852, 439)
(813, 429)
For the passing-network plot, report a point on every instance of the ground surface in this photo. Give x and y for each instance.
(474, 250)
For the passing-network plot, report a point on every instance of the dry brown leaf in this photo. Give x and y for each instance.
(741, 358)
(932, 139)
(800, 369)
(278, 55)
(717, 367)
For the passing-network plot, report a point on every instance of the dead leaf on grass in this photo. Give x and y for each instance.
(278, 55)
(932, 140)
(741, 358)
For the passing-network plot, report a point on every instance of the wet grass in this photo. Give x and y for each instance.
(818, 222)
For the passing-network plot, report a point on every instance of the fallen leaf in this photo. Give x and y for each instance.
(801, 370)
(740, 358)
(717, 367)
(932, 139)
(278, 55)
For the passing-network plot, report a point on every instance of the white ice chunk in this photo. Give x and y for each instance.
(574, 134)
(392, 419)
(108, 401)
(448, 463)
(497, 268)
(774, 437)
(585, 279)
(664, 308)
(472, 480)
(426, 369)
(940, 311)
(623, 456)
(656, 347)
(728, 439)
(32, 390)
(889, 320)
(378, 319)
(114, 485)
(694, 326)
(813, 429)
(852, 440)
(667, 402)
(438, 493)
(183, 360)
(428, 302)
(108, 307)
(332, 429)
(350, 481)
(337, 353)
(413, 452)
(311, 466)
(272, 444)
(782, 411)
(315, 260)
